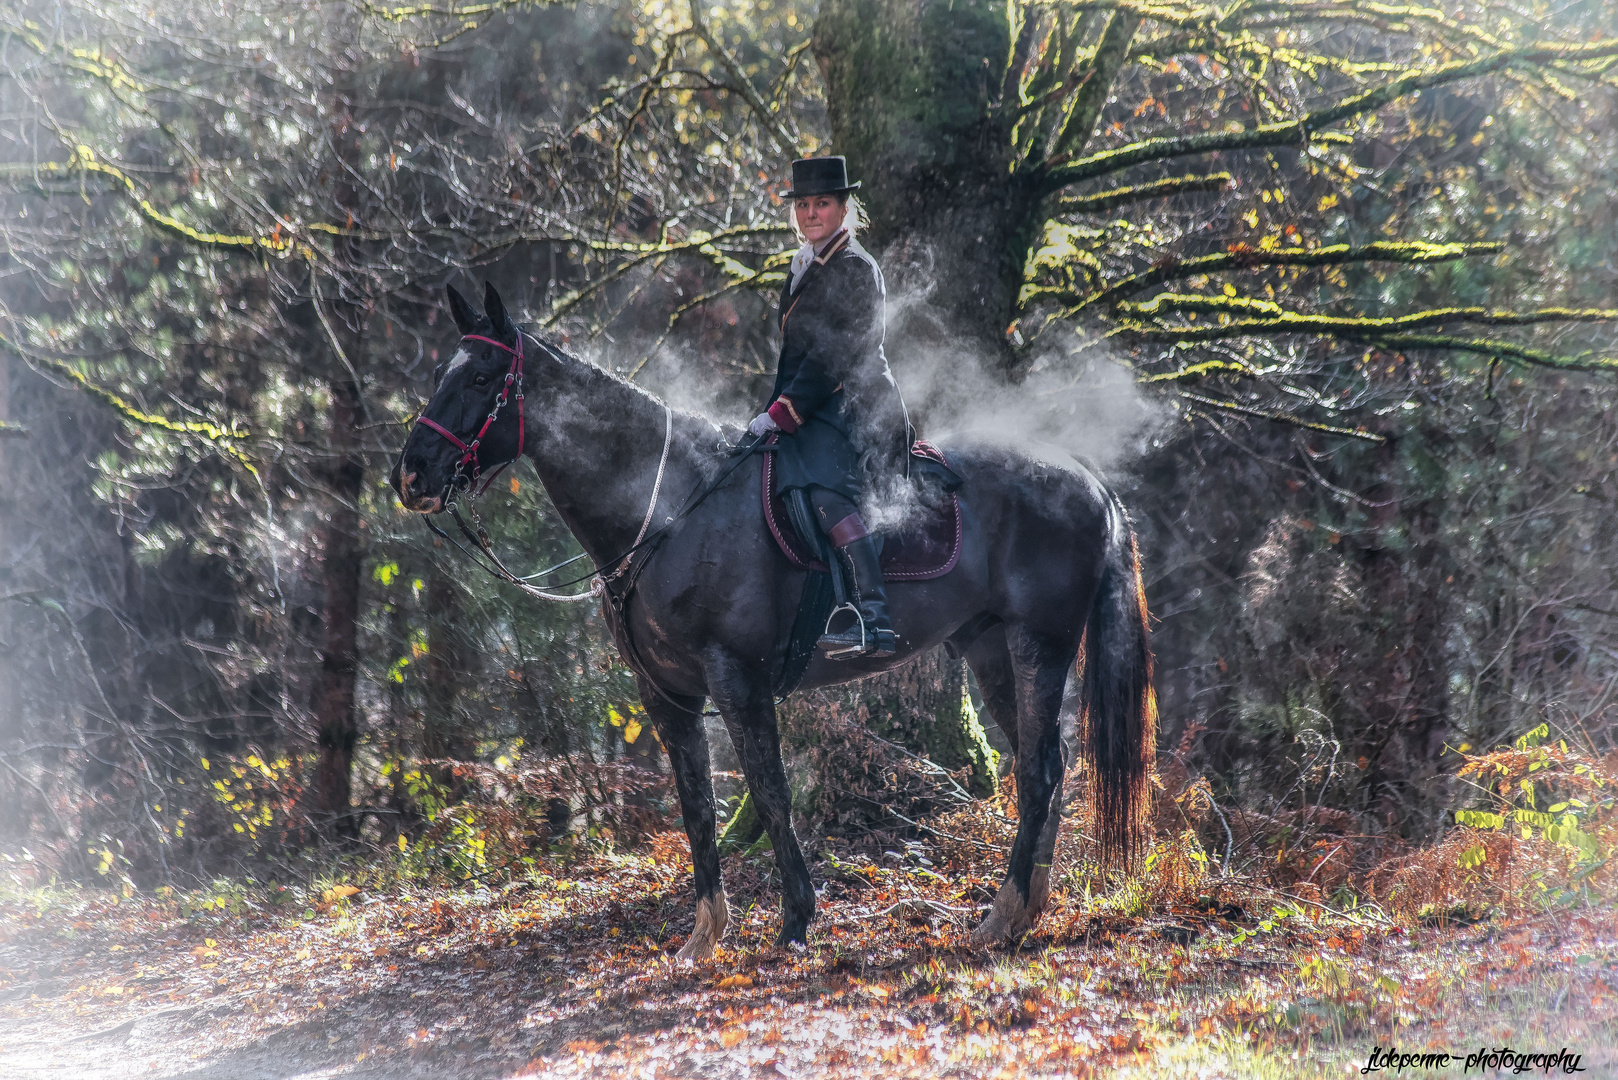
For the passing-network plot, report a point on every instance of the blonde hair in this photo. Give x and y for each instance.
(854, 216)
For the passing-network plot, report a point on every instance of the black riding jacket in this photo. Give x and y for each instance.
(839, 409)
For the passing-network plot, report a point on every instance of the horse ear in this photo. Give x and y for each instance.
(466, 319)
(495, 309)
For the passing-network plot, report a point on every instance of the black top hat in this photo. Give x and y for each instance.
(819, 176)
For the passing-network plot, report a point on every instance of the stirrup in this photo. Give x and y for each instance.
(843, 646)
(840, 646)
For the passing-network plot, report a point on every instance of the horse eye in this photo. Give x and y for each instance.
(482, 380)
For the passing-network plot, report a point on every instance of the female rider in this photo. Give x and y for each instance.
(841, 419)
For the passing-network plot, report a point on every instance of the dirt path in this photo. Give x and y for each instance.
(573, 977)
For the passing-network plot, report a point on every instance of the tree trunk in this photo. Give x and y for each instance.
(342, 558)
(442, 737)
(923, 707)
(342, 553)
(911, 95)
(845, 779)
(9, 546)
(919, 103)
(1404, 577)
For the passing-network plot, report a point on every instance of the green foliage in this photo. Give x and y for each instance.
(1566, 822)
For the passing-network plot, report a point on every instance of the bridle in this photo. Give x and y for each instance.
(469, 451)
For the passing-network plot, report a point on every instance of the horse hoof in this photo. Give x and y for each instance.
(712, 916)
(991, 931)
(1012, 916)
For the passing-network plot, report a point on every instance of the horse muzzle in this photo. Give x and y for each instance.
(412, 497)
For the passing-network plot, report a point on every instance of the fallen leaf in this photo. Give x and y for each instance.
(733, 982)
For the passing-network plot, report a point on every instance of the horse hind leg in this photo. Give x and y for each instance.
(1039, 665)
(686, 741)
(990, 661)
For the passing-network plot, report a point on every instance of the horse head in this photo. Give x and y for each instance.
(473, 425)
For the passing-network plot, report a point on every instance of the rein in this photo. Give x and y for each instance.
(498, 569)
(624, 567)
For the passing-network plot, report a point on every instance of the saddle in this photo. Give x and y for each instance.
(928, 547)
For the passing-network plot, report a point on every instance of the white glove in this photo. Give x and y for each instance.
(762, 423)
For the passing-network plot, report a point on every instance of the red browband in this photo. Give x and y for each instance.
(469, 451)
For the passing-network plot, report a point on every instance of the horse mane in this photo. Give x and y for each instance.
(596, 373)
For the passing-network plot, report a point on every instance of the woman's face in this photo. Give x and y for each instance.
(818, 216)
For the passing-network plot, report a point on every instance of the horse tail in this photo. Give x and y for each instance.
(1119, 707)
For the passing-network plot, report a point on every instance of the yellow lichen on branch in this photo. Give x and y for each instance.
(453, 11)
(1242, 257)
(1301, 130)
(1281, 418)
(225, 438)
(83, 160)
(1103, 201)
(1273, 320)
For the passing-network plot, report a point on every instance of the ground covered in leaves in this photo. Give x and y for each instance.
(568, 971)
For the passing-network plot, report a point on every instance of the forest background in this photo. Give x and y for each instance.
(1325, 290)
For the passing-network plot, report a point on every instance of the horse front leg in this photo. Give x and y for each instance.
(743, 694)
(1039, 665)
(679, 725)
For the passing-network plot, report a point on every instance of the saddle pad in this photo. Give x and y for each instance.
(926, 548)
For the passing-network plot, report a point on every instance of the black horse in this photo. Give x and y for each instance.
(1048, 570)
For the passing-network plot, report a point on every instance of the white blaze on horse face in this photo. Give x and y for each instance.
(461, 356)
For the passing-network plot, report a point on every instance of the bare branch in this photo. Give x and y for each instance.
(784, 142)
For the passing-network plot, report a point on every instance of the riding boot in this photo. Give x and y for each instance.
(871, 634)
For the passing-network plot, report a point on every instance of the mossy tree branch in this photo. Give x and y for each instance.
(1274, 321)
(1105, 201)
(1300, 131)
(1279, 417)
(1244, 258)
(224, 438)
(1503, 351)
(1108, 59)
